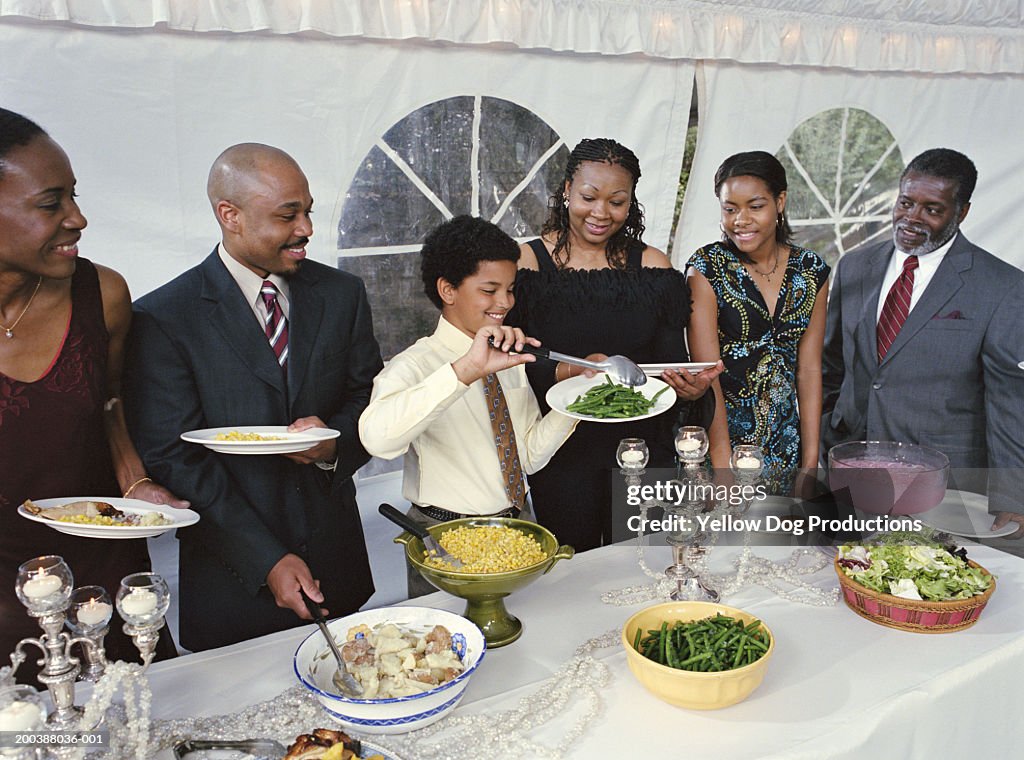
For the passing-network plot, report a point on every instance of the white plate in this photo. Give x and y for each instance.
(560, 395)
(182, 518)
(655, 370)
(963, 513)
(286, 443)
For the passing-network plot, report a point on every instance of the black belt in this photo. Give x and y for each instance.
(436, 513)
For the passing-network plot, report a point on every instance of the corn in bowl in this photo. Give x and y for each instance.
(487, 549)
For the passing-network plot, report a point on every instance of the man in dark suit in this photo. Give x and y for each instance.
(255, 335)
(924, 337)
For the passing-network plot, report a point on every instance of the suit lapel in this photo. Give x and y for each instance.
(944, 284)
(229, 314)
(306, 313)
(875, 264)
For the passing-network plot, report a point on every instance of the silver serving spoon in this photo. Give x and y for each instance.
(341, 679)
(619, 368)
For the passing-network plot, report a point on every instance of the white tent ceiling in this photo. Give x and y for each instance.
(938, 36)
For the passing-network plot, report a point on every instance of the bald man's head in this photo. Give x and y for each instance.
(262, 203)
(240, 169)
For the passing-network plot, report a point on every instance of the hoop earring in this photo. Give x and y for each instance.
(781, 221)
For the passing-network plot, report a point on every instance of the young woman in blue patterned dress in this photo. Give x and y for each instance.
(759, 305)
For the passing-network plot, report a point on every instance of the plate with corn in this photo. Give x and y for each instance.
(258, 439)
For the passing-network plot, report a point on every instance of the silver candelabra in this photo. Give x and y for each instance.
(45, 585)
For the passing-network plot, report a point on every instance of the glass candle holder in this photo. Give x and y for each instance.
(44, 584)
(142, 599)
(632, 454)
(21, 711)
(90, 610)
(691, 444)
(747, 460)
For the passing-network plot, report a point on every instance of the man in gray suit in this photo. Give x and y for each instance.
(924, 337)
(254, 335)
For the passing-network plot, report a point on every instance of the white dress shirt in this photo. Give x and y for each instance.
(420, 408)
(927, 264)
(251, 284)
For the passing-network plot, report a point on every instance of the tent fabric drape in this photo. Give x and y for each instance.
(956, 36)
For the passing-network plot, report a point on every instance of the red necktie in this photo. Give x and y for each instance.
(277, 323)
(896, 307)
(505, 442)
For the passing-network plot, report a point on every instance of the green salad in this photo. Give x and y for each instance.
(924, 572)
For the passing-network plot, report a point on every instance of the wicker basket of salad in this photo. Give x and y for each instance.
(921, 587)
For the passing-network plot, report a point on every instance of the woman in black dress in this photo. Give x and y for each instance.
(63, 323)
(589, 286)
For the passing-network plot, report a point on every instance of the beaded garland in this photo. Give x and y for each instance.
(577, 685)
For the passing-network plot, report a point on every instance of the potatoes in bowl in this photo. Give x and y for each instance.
(314, 667)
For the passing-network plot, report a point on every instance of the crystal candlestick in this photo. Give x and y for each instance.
(747, 463)
(142, 601)
(89, 617)
(691, 445)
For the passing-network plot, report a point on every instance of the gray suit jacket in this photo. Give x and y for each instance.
(198, 358)
(950, 379)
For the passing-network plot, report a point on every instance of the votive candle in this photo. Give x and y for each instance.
(139, 602)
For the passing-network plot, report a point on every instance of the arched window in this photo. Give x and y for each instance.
(475, 155)
(843, 167)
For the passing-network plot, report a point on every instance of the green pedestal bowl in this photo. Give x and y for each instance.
(485, 592)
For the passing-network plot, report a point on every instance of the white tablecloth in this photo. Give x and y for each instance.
(838, 686)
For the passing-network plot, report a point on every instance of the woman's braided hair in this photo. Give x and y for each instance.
(606, 151)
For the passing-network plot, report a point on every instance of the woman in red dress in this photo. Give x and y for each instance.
(63, 324)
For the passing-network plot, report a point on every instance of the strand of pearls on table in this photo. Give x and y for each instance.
(507, 734)
(130, 737)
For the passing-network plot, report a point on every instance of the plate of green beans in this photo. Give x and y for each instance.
(599, 399)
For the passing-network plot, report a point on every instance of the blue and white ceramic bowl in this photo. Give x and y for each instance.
(396, 715)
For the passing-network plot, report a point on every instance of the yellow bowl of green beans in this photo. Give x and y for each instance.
(699, 655)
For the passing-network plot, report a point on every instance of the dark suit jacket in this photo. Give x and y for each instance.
(198, 358)
(950, 379)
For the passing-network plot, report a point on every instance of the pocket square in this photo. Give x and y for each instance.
(955, 314)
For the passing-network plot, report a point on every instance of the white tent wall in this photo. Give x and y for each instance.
(142, 113)
(757, 108)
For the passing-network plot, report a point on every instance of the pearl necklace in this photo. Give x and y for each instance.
(9, 331)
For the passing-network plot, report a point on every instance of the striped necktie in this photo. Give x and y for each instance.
(896, 307)
(276, 324)
(505, 442)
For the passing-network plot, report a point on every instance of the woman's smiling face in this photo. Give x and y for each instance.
(750, 213)
(40, 222)
(599, 197)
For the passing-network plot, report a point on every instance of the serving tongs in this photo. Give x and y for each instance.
(342, 679)
(619, 368)
(429, 542)
(259, 748)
